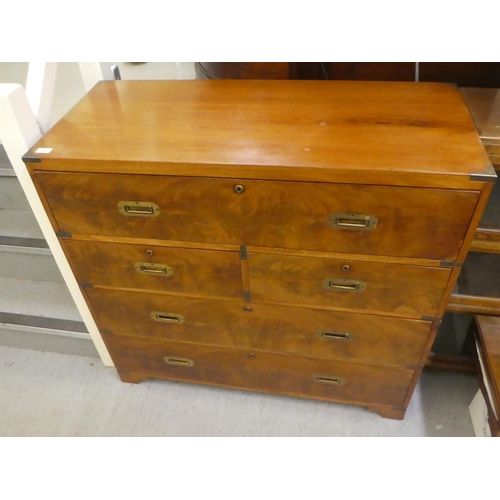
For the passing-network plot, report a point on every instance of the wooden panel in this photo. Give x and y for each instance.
(369, 126)
(260, 371)
(424, 223)
(245, 70)
(473, 304)
(191, 209)
(485, 242)
(384, 71)
(403, 291)
(370, 339)
(463, 74)
(204, 272)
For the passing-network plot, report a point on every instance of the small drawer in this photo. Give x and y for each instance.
(259, 371)
(399, 290)
(148, 267)
(359, 219)
(282, 329)
(145, 206)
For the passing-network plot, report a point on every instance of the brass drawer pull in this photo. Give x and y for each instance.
(167, 317)
(359, 222)
(156, 269)
(334, 335)
(138, 208)
(342, 285)
(329, 380)
(170, 360)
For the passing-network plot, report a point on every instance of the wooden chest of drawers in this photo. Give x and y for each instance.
(299, 238)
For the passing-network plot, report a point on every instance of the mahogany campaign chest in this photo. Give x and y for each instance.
(293, 237)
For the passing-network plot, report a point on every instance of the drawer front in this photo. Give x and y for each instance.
(404, 291)
(343, 218)
(204, 272)
(266, 372)
(300, 331)
(377, 220)
(174, 208)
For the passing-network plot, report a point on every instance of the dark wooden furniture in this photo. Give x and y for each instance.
(478, 286)
(463, 74)
(487, 332)
(292, 237)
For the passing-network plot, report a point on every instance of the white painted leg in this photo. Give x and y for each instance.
(19, 131)
(93, 72)
(40, 86)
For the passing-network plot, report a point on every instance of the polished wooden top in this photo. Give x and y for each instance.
(333, 127)
(484, 105)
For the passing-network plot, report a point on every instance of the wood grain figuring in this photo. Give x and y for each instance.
(369, 126)
(401, 291)
(371, 339)
(260, 371)
(204, 272)
(418, 223)
(267, 166)
(206, 210)
(423, 223)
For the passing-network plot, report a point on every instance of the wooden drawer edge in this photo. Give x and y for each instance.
(138, 377)
(375, 363)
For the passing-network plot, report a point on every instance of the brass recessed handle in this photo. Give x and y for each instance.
(334, 335)
(342, 285)
(167, 317)
(359, 222)
(138, 208)
(328, 380)
(155, 269)
(171, 360)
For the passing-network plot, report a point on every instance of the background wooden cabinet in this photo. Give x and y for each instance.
(463, 74)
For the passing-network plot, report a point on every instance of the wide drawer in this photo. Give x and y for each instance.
(259, 371)
(377, 220)
(301, 331)
(149, 267)
(399, 290)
